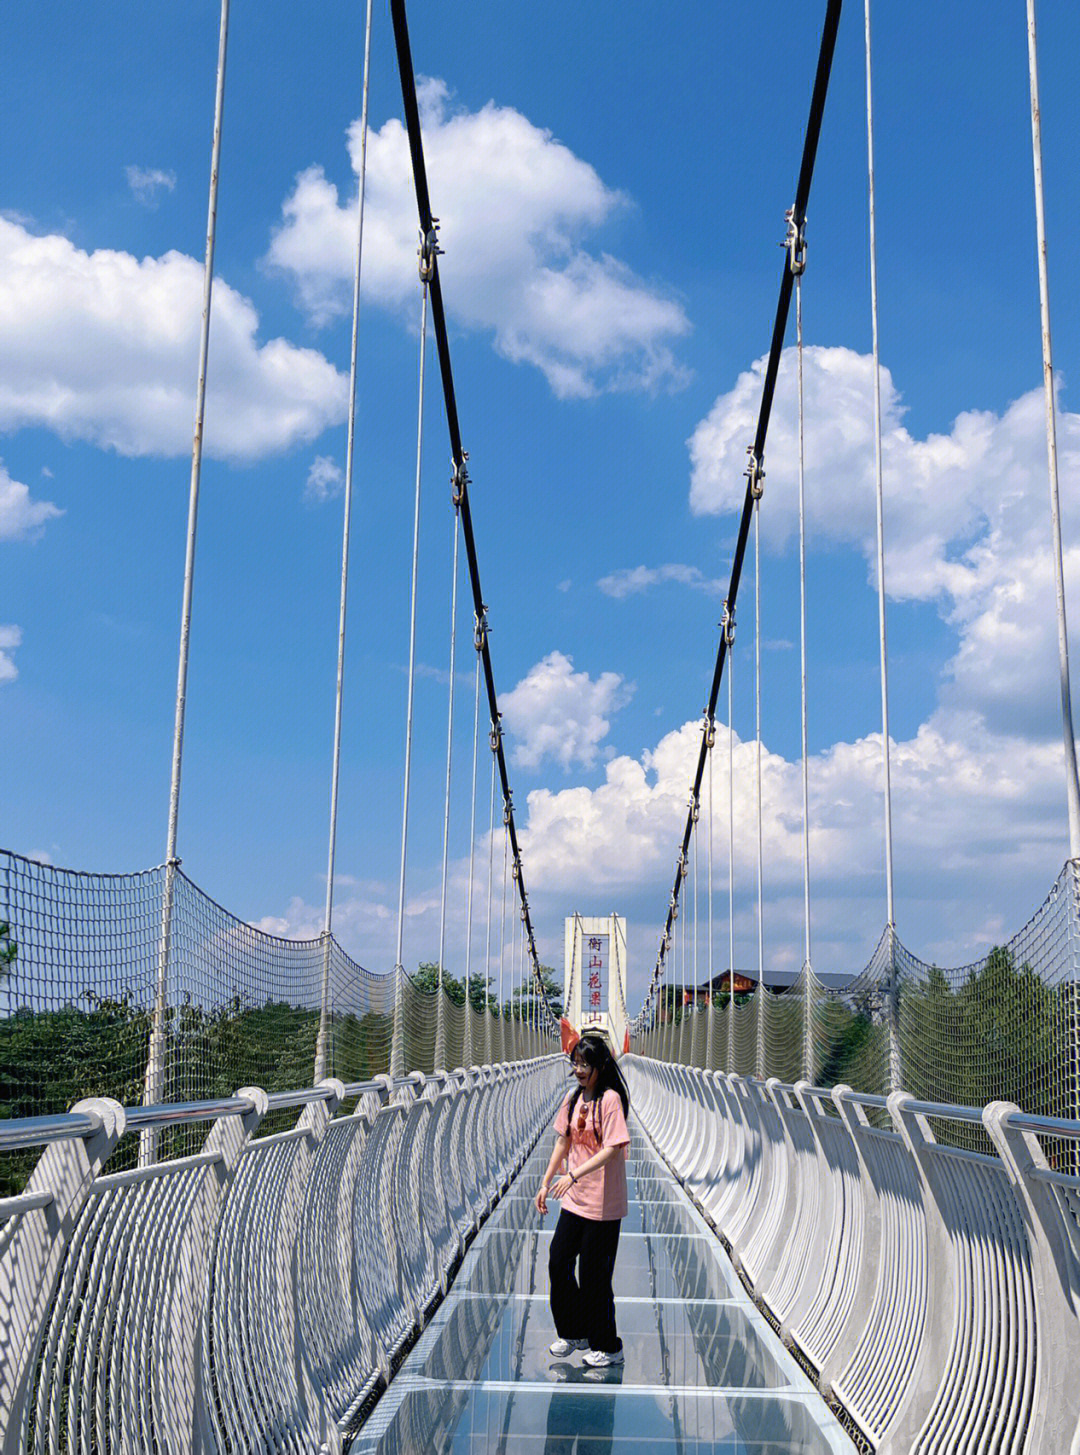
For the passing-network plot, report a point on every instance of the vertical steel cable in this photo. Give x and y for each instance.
(472, 859)
(1072, 789)
(693, 1023)
(895, 1075)
(154, 1086)
(808, 1054)
(440, 1021)
(397, 1048)
(350, 440)
(487, 944)
(757, 757)
(681, 926)
(502, 939)
(709, 1029)
(731, 868)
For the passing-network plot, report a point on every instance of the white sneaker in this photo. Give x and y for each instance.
(562, 1347)
(597, 1359)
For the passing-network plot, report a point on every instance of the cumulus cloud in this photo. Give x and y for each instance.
(21, 517)
(103, 347)
(10, 638)
(516, 208)
(147, 183)
(325, 480)
(557, 713)
(632, 580)
(985, 809)
(966, 518)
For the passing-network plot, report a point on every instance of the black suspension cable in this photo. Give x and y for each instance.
(430, 250)
(793, 262)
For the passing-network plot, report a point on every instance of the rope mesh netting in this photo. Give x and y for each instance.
(1006, 1027)
(79, 977)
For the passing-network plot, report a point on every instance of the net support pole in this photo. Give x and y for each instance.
(154, 1086)
(1072, 789)
(350, 454)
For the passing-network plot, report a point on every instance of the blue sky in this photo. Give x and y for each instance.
(612, 190)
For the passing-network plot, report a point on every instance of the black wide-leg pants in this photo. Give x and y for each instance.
(583, 1306)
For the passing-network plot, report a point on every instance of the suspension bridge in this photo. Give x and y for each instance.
(258, 1197)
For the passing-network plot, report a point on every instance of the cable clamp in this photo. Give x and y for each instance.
(727, 625)
(755, 473)
(694, 809)
(710, 733)
(795, 242)
(428, 251)
(480, 631)
(495, 736)
(459, 480)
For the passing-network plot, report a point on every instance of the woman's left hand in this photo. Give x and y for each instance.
(562, 1186)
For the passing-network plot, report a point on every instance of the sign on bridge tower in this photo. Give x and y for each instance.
(594, 987)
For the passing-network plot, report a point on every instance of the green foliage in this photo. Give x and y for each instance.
(427, 979)
(526, 996)
(51, 1059)
(9, 948)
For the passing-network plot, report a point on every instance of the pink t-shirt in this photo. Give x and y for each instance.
(599, 1195)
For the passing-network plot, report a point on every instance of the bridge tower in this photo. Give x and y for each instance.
(594, 984)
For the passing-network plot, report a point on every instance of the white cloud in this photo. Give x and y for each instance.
(966, 514)
(986, 810)
(555, 712)
(21, 517)
(631, 580)
(325, 480)
(147, 183)
(103, 347)
(516, 207)
(10, 638)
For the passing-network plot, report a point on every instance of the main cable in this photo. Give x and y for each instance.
(755, 470)
(429, 232)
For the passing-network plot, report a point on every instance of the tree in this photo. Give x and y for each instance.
(525, 997)
(427, 979)
(9, 948)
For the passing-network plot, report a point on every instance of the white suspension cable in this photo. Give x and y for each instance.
(154, 1086)
(808, 1066)
(731, 866)
(397, 1052)
(502, 930)
(350, 442)
(472, 861)
(487, 942)
(757, 760)
(709, 869)
(1072, 789)
(894, 1043)
(440, 1025)
(693, 1035)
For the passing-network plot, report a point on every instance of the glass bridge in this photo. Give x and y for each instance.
(704, 1372)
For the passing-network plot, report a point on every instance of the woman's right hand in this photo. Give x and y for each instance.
(541, 1199)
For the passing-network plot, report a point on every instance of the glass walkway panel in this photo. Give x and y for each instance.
(704, 1372)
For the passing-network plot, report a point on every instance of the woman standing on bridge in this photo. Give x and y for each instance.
(591, 1137)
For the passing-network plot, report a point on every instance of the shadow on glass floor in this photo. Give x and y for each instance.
(703, 1345)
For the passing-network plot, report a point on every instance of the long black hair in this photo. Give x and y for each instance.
(596, 1053)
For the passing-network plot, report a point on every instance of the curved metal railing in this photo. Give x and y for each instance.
(933, 1288)
(255, 1294)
